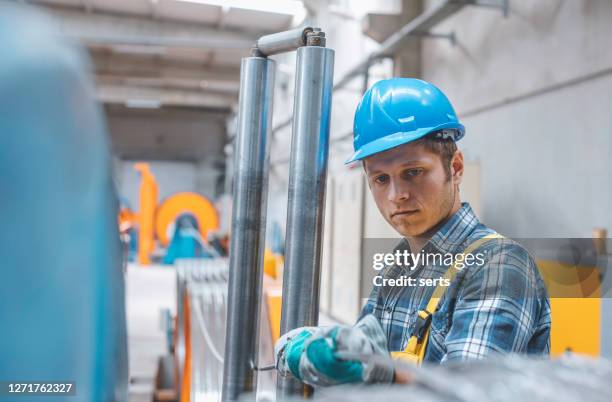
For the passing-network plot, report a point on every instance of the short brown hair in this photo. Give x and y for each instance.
(444, 147)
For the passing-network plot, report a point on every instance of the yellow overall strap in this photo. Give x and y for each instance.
(415, 349)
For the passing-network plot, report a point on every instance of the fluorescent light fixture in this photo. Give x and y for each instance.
(143, 103)
(288, 7)
(138, 49)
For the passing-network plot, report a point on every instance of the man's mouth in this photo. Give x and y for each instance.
(404, 212)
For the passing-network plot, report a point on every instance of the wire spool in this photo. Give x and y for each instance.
(185, 203)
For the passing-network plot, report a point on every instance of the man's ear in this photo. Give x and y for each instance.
(457, 167)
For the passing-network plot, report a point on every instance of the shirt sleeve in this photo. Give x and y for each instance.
(368, 308)
(497, 307)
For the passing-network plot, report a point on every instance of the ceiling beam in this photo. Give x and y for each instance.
(157, 97)
(151, 66)
(210, 86)
(107, 29)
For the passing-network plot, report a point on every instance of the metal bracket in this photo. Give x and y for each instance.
(503, 5)
(450, 36)
(267, 367)
(316, 37)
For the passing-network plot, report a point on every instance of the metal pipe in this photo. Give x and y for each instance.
(248, 225)
(422, 23)
(307, 184)
(283, 41)
(366, 79)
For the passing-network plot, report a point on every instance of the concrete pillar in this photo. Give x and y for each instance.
(407, 61)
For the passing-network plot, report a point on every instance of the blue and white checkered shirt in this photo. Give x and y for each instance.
(500, 306)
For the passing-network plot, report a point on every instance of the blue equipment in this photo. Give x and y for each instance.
(62, 280)
(186, 242)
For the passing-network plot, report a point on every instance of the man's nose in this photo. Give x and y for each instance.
(398, 192)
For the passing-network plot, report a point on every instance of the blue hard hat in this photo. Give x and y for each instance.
(397, 111)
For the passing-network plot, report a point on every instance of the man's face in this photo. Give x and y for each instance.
(411, 188)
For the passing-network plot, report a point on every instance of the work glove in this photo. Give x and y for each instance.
(315, 355)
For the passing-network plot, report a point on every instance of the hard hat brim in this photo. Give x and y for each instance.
(401, 138)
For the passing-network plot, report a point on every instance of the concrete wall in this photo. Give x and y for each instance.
(533, 89)
(187, 135)
(535, 93)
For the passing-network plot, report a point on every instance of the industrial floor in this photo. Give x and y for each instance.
(149, 290)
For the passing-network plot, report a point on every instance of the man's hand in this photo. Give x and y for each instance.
(289, 347)
(313, 355)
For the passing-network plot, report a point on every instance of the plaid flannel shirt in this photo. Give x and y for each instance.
(500, 306)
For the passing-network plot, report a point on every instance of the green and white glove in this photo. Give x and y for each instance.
(289, 348)
(312, 355)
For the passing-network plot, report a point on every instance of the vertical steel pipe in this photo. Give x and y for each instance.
(248, 225)
(307, 183)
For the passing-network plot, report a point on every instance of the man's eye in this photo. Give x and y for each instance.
(382, 179)
(412, 172)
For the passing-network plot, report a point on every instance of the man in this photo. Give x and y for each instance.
(405, 134)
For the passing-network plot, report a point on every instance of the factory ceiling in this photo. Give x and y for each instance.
(169, 54)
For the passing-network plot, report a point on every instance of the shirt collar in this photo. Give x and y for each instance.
(451, 237)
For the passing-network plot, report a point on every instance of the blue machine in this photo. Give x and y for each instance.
(62, 284)
(185, 242)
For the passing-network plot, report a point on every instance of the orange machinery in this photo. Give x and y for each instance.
(154, 220)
